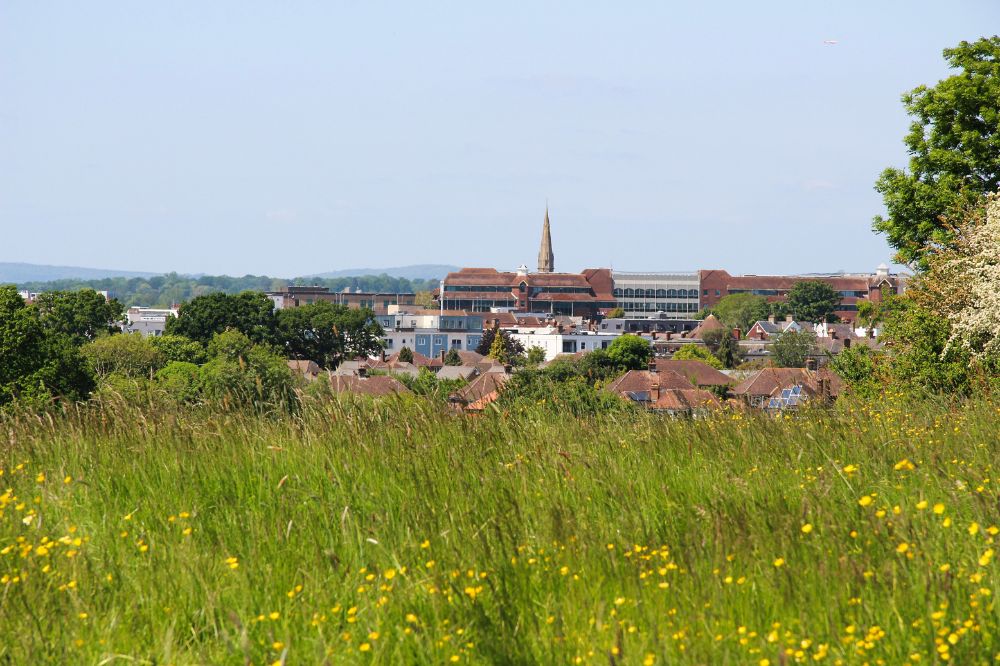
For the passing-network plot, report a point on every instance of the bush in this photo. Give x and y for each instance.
(127, 355)
(698, 353)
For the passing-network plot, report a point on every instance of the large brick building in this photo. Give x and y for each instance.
(587, 294)
(852, 287)
(293, 297)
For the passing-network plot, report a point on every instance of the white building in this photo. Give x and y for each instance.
(556, 342)
(641, 294)
(151, 322)
(430, 332)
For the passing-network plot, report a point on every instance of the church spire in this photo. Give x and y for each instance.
(546, 260)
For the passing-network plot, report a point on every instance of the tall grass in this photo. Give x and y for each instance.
(391, 532)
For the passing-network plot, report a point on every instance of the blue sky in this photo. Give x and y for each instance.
(292, 138)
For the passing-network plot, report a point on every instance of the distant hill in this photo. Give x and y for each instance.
(18, 273)
(417, 272)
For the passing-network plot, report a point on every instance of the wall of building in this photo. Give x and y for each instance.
(642, 294)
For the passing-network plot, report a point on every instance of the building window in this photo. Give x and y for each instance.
(716, 292)
(704, 292)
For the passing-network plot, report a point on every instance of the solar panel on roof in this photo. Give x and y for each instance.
(785, 393)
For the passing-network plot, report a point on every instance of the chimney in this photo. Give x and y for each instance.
(383, 356)
(847, 343)
(651, 366)
(654, 390)
(442, 355)
(770, 318)
(737, 333)
(833, 333)
(789, 318)
(668, 335)
(811, 364)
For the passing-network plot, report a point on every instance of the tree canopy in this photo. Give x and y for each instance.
(954, 148)
(328, 333)
(812, 300)
(172, 289)
(741, 310)
(37, 362)
(251, 312)
(792, 348)
(698, 353)
(630, 352)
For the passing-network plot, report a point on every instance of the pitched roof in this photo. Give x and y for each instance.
(709, 323)
(457, 372)
(307, 368)
(378, 386)
(635, 381)
(479, 387)
(684, 400)
(769, 381)
(697, 372)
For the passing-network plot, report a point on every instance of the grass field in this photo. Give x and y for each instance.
(390, 533)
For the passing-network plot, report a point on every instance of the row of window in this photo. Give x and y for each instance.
(655, 293)
(650, 306)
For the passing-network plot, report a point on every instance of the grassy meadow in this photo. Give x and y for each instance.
(389, 532)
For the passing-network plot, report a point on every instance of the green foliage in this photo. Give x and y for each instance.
(919, 358)
(741, 310)
(698, 353)
(792, 348)
(615, 313)
(180, 380)
(954, 147)
(512, 349)
(452, 357)
(172, 289)
(248, 375)
(81, 315)
(630, 352)
(535, 356)
(812, 300)
(179, 348)
(37, 362)
(729, 352)
(251, 313)
(858, 367)
(428, 384)
(328, 333)
(560, 392)
(129, 355)
(424, 299)
(405, 355)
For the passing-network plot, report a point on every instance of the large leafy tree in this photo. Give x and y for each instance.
(792, 348)
(83, 315)
(741, 310)
(251, 313)
(328, 333)
(37, 362)
(954, 147)
(630, 352)
(812, 300)
(514, 350)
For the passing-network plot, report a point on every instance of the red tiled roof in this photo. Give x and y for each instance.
(484, 384)
(643, 380)
(700, 374)
(379, 385)
(682, 400)
(768, 381)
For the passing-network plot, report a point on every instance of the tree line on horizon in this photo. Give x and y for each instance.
(174, 288)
